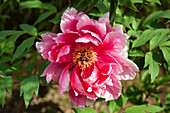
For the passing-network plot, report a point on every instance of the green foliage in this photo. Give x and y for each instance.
(26, 44)
(27, 87)
(156, 15)
(153, 60)
(115, 105)
(5, 83)
(143, 109)
(86, 110)
(129, 4)
(29, 29)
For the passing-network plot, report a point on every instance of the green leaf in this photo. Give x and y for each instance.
(27, 87)
(129, 4)
(154, 16)
(5, 33)
(159, 38)
(112, 13)
(120, 19)
(11, 40)
(5, 83)
(37, 4)
(30, 68)
(153, 60)
(115, 105)
(143, 109)
(136, 53)
(29, 29)
(86, 110)
(148, 35)
(43, 17)
(103, 8)
(26, 44)
(167, 43)
(166, 53)
(154, 1)
(56, 19)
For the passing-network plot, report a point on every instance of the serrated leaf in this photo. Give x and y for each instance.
(29, 29)
(86, 110)
(154, 16)
(152, 59)
(129, 4)
(5, 83)
(143, 109)
(43, 17)
(159, 38)
(166, 53)
(26, 44)
(115, 105)
(27, 87)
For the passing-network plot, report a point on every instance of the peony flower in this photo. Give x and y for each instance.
(89, 57)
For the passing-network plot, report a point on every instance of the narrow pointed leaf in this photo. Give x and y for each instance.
(26, 44)
(29, 29)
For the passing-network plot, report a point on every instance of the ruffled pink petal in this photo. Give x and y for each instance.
(87, 39)
(92, 77)
(112, 89)
(64, 79)
(77, 100)
(114, 42)
(84, 21)
(69, 20)
(76, 81)
(129, 68)
(62, 52)
(53, 71)
(67, 38)
(104, 18)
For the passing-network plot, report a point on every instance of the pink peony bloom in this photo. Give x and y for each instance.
(95, 54)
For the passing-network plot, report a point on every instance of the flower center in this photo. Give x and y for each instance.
(84, 57)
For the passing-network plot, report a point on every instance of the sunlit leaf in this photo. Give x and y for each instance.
(26, 44)
(120, 19)
(115, 105)
(159, 38)
(86, 110)
(143, 109)
(166, 53)
(37, 4)
(27, 87)
(153, 60)
(5, 83)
